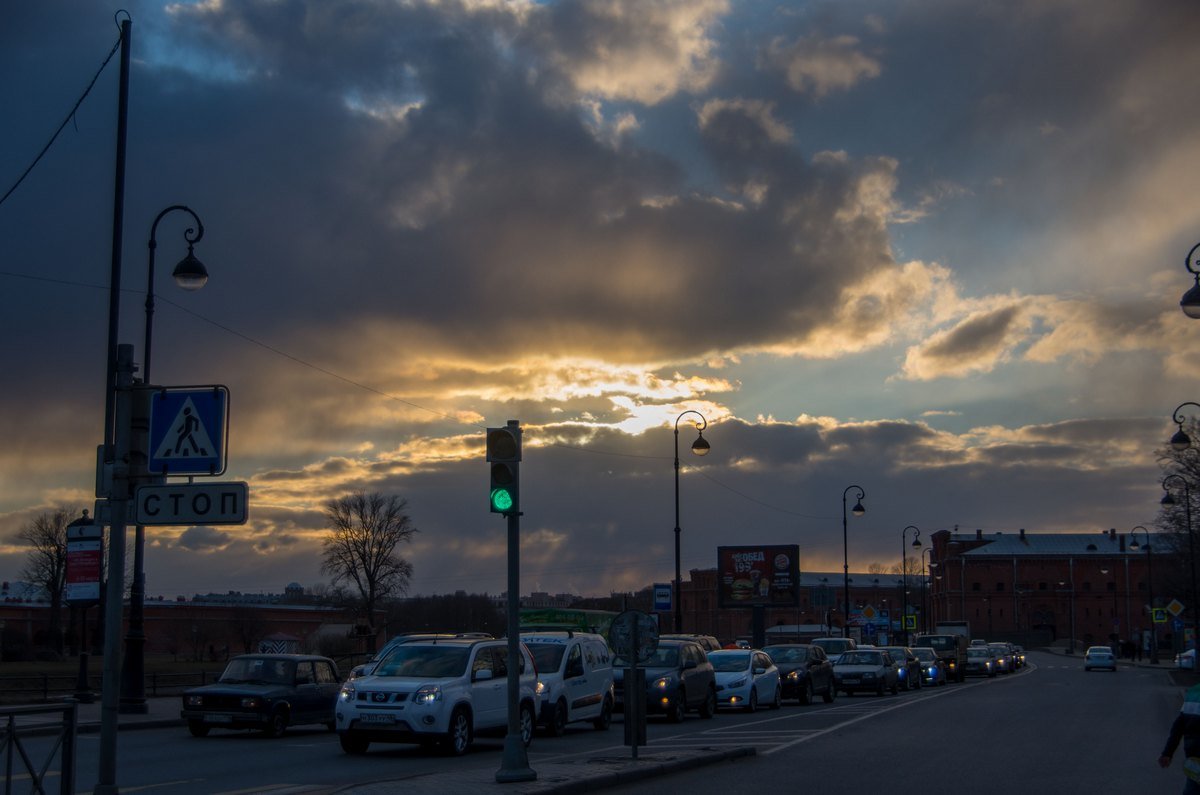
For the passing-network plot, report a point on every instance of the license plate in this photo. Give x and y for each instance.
(218, 718)
(373, 717)
(851, 680)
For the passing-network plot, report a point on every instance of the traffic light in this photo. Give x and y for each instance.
(504, 456)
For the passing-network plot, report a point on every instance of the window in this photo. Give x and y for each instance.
(1111, 586)
(304, 673)
(976, 586)
(1087, 586)
(483, 662)
(325, 673)
(999, 587)
(1042, 586)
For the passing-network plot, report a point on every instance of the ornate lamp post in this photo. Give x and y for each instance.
(857, 510)
(189, 274)
(1181, 441)
(1150, 585)
(926, 572)
(1190, 303)
(699, 447)
(1169, 500)
(916, 542)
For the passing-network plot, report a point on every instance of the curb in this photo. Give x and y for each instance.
(619, 777)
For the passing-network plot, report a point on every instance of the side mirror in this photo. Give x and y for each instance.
(759, 671)
(481, 676)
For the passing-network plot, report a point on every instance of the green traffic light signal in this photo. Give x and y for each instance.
(502, 500)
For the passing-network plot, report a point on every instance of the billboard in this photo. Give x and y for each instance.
(752, 576)
(85, 556)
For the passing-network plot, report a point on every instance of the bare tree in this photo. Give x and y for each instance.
(365, 530)
(47, 562)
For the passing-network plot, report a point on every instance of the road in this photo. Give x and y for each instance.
(1048, 728)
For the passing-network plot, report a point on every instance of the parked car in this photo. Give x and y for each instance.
(575, 678)
(909, 667)
(981, 661)
(1019, 655)
(804, 671)
(439, 691)
(1003, 653)
(408, 637)
(745, 679)
(933, 670)
(1099, 657)
(707, 642)
(268, 692)
(835, 646)
(871, 670)
(678, 678)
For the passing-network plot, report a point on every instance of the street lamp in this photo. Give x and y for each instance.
(916, 542)
(1190, 303)
(1181, 441)
(190, 274)
(1169, 500)
(857, 510)
(699, 447)
(926, 555)
(1150, 585)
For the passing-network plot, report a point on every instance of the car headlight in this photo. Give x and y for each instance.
(738, 683)
(541, 688)
(664, 683)
(794, 676)
(347, 692)
(251, 703)
(427, 695)
(195, 701)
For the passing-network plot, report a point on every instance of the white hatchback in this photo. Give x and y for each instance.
(575, 678)
(745, 679)
(436, 692)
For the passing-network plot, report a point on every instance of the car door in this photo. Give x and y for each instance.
(305, 698)
(694, 676)
(489, 695)
(575, 681)
(820, 671)
(328, 686)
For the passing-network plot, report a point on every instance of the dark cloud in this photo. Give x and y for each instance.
(203, 539)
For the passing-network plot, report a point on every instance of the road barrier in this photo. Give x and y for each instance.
(21, 722)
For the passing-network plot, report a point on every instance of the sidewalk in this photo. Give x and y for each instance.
(160, 712)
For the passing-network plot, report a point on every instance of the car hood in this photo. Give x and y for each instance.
(787, 668)
(724, 677)
(858, 669)
(240, 689)
(651, 673)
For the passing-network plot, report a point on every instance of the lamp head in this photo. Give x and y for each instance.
(1167, 499)
(190, 273)
(1190, 303)
(1180, 441)
(858, 509)
(700, 446)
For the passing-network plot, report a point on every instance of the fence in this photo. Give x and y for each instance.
(21, 722)
(47, 687)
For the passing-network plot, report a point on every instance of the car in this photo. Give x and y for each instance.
(981, 661)
(1099, 657)
(679, 678)
(834, 646)
(366, 668)
(1019, 655)
(933, 670)
(575, 678)
(1005, 663)
(1186, 660)
(908, 666)
(870, 670)
(804, 671)
(978, 642)
(268, 692)
(707, 642)
(437, 692)
(745, 679)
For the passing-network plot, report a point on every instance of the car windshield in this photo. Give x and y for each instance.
(259, 670)
(925, 655)
(979, 652)
(787, 654)
(1099, 650)
(665, 657)
(424, 661)
(898, 654)
(729, 661)
(999, 649)
(861, 658)
(547, 656)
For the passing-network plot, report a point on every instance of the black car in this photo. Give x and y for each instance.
(804, 671)
(679, 677)
(909, 666)
(268, 692)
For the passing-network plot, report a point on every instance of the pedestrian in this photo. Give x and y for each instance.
(1187, 728)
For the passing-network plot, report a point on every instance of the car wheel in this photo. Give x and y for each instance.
(830, 695)
(458, 737)
(678, 708)
(603, 722)
(353, 743)
(527, 723)
(709, 708)
(806, 694)
(276, 726)
(558, 721)
(776, 702)
(752, 704)
(198, 728)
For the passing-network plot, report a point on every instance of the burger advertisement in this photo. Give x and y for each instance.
(758, 576)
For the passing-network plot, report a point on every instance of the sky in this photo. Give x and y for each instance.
(930, 248)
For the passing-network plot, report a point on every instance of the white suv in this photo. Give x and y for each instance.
(436, 692)
(575, 678)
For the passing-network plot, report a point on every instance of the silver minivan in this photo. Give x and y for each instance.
(575, 678)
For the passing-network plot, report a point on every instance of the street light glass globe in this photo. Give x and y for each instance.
(858, 509)
(700, 446)
(1190, 303)
(1180, 441)
(190, 273)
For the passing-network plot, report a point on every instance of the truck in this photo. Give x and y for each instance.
(949, 642)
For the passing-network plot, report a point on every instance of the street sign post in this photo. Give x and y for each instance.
(189, 430)
(191, 503)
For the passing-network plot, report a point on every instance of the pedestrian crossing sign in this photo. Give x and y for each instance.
(188, 430)
(1159, 615)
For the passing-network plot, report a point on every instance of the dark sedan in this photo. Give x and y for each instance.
(268, 692)
(804, 671)
(909, 667)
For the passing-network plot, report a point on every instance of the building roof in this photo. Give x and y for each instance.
(1054, 544)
